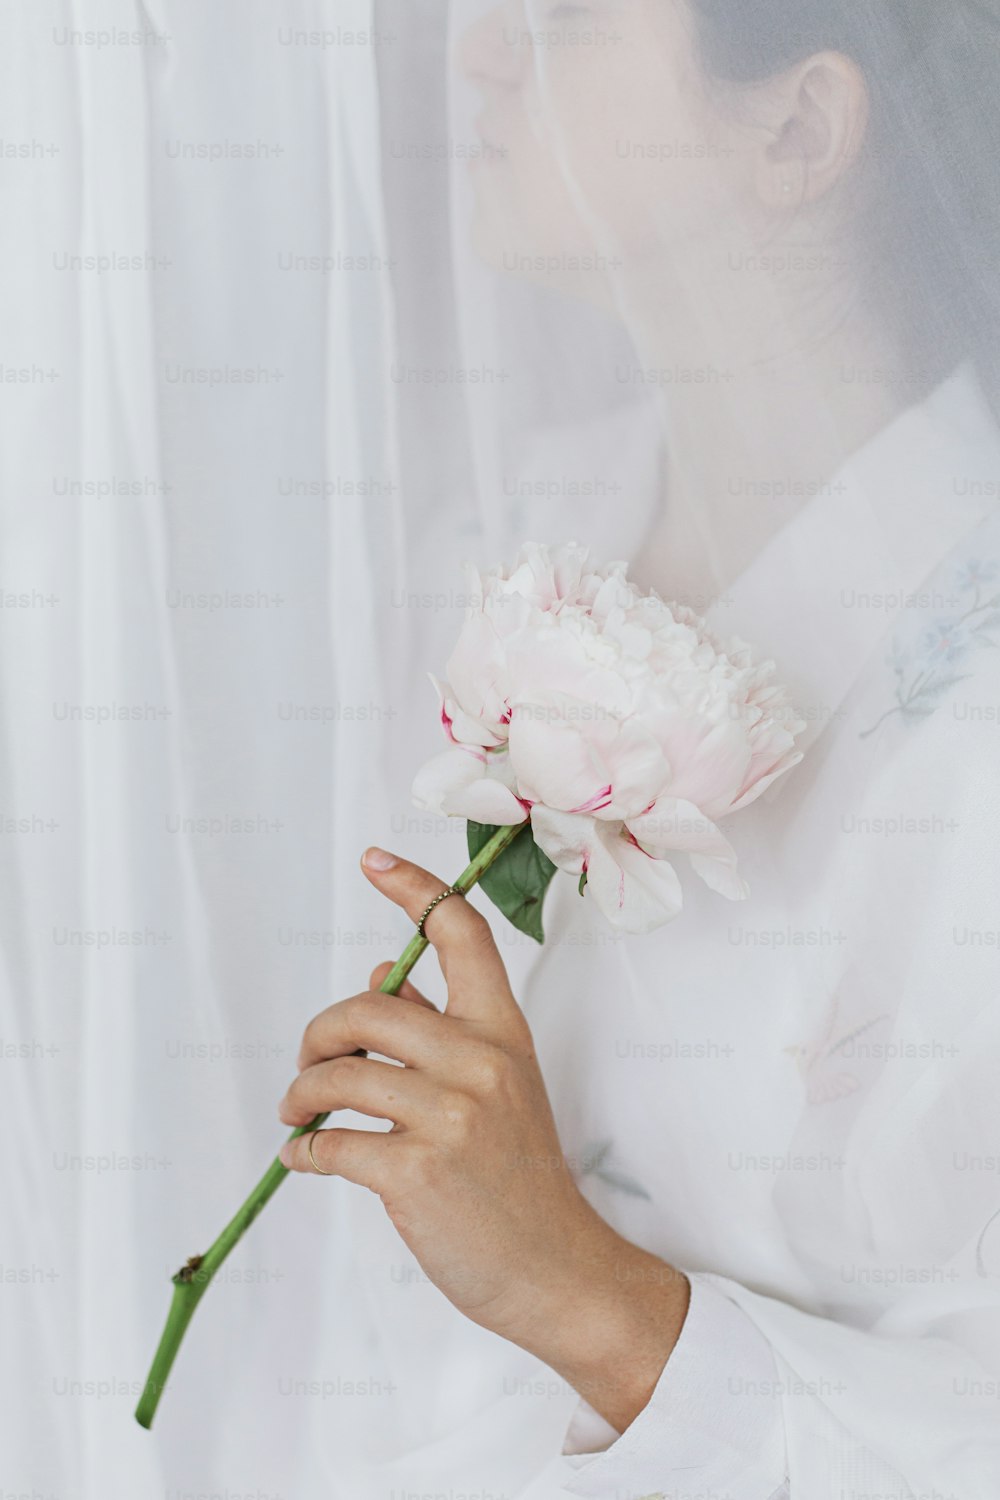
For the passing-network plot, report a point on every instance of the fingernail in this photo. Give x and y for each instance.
(379, 859)
(285, 1154)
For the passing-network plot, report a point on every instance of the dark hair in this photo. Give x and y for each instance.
(929, 172)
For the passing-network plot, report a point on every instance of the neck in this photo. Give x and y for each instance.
(761, 409)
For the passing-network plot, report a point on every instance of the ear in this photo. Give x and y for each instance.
(819, 115)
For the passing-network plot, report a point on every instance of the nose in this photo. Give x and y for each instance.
(491, 53)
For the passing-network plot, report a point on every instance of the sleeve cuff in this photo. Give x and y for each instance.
(715, 1414)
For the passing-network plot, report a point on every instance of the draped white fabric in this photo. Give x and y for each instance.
(273, 364)
(174, 435)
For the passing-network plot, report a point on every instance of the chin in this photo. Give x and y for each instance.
(529, 242)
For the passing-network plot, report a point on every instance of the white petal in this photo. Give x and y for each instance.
(477, 672)
(755, 790)
(466, 729)
(554, 762)
(673, 824)
(720, 875)
(459, 727)
(488, 801)
(634, 891)
(564, 837)
(457, 783)
(443, 775)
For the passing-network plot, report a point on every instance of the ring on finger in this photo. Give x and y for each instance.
(316, 1165)
(451, 891)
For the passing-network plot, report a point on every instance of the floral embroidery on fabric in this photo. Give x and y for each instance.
(925, 668)
(819, 1062)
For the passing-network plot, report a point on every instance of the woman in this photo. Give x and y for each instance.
(719, 1206)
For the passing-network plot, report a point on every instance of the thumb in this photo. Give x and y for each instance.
(406, 991)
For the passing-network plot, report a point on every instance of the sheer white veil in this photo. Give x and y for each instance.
(689, 258)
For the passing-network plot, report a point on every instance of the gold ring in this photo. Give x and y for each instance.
(451, 891)
(316, 1165)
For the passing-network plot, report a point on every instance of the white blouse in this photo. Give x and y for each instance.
(792, 1099)
(810, 1076)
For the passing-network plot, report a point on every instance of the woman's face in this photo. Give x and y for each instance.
(606, 138)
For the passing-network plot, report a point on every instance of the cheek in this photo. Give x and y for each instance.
(523, 204)
(643, 168)
(523, 215)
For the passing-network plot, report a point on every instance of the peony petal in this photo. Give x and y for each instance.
(564, 837)
(673, 824)
(708, 761)
(553, 761)
(634, 891)
(567, 660)
(459, 727)
(720, 875)
(445, 775)
(752, 792)
(489, 801)
(456, 784)
(574, 756)
(477, 673)
(637, 768)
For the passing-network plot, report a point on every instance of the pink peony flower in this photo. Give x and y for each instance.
(616, 722)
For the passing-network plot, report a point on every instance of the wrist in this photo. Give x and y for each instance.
(607, 1321)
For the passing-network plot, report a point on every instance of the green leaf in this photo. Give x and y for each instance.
(517, 879)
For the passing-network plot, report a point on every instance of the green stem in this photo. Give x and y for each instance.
(192, 1280)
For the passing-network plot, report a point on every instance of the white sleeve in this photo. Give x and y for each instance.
(713, 1424)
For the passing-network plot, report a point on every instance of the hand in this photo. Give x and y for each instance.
(472, 1174)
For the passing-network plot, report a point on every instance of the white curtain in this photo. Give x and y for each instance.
(186, 408)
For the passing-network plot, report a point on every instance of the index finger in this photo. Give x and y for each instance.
(374, 1022)
(478, 987)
